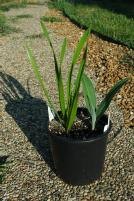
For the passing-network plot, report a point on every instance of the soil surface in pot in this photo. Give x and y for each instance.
(81, 129)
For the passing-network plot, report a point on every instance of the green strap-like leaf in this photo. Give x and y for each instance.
(45, 32)
(89, 89)
(76, 55)
(63, 50)
(41, 81)
(72, 115)
(107, 100)
(90, 97)
(57, 68)
(74, 96)
(81, 70)
(61, 87)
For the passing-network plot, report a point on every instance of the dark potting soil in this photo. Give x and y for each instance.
(82, 128)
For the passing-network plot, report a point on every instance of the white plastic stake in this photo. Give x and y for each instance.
(50, 114)
(107, 126)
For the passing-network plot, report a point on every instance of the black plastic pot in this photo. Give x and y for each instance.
(79, 162)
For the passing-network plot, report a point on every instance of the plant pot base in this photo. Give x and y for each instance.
(78, 182)
(78, 162)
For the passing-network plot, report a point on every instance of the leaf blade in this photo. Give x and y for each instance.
(90, 97)
(74, 60)
(72, 113)
(107, 100)
(41, 81)
(75, 94)
(59, 79)
(63, 50)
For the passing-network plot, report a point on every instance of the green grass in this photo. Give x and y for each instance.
(34, 36)
(2, 22)
(10, 5)
(23, 16)
(6, 5)
(112, 20)
(4, 1)
(4, 27)
(17, 17)
(51, 19)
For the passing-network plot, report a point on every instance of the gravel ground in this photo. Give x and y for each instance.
(24, 120)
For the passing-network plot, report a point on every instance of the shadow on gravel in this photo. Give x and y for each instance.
(30, 114)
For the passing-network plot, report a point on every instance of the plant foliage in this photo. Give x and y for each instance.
(90, 98)
(68, 100)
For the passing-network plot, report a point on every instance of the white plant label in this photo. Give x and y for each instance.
(50, 114)
(107, 126)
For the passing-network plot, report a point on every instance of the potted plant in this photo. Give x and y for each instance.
(77, 135)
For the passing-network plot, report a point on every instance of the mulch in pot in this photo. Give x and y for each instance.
(81, 129)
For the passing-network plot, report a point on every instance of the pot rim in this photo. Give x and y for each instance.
(75, 141)
(93, 138)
